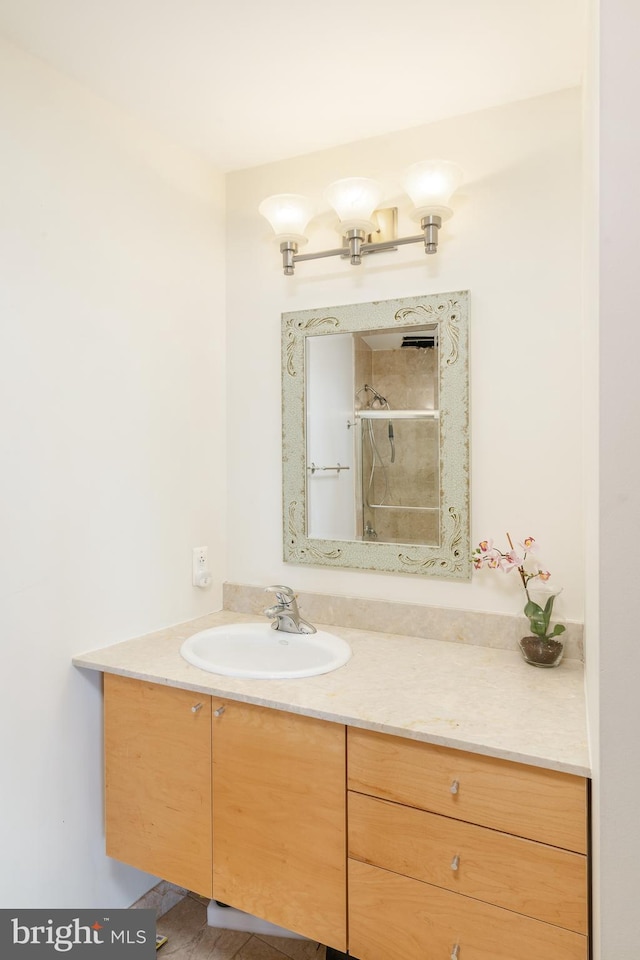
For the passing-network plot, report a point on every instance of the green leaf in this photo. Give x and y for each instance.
(548, 607)
(559, 628)
(537, 619)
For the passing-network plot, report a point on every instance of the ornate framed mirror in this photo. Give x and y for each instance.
(375, 436)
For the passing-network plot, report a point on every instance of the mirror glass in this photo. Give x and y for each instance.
(375, 436)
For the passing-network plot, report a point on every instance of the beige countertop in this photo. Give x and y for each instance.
(457, 695)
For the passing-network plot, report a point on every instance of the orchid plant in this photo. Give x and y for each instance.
(485, 554)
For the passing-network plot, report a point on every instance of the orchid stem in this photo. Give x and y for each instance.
(523, 575)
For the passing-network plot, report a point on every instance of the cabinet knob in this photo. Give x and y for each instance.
(455, 951)
(455, 786)
(196, 707)
(218, 712)
(455, 863)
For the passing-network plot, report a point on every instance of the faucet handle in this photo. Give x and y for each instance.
(283, 594)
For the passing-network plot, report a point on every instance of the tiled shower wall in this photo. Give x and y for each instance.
(408, 379)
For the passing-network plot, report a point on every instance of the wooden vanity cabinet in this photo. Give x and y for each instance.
(273, 841)
(279, 818)
(452, 854)
(158, 780)
(448, 854)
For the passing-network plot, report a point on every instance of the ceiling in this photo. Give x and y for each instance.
(247, 82)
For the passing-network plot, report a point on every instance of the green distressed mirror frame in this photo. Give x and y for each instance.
(450, 559)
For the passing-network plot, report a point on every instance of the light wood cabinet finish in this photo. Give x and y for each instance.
(279, 818)
(158, 780)
(517, 887)
(515, 798)
(265, 790)
(392, 917)
(520, 875)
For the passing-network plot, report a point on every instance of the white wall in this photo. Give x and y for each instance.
(514, 242)
(614, 688)
(111, 445)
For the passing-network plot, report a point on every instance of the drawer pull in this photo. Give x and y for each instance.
(455, 952)
(196, 707)
(218, 712)
(455, 863)
(455, 786)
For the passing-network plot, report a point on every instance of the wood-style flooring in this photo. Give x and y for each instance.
(190, 938)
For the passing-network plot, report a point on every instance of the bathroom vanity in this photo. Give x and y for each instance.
(427, 800)
(278, 798)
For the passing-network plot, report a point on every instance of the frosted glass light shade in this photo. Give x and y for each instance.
(288, 214)
(354, 200)
(430, 186)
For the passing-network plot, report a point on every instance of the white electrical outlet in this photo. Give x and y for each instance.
(201, 575)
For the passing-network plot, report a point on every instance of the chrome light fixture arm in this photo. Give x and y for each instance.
(358, 248)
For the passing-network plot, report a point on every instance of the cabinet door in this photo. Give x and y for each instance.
(279, 818)
(158, 780)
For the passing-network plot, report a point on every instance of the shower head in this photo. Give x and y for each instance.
(376, 396)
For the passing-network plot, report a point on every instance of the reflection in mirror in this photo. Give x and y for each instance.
(375, 436)
(372, 436)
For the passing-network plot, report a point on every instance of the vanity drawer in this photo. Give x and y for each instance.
(521, 875)
(531, 802)
(396, 918)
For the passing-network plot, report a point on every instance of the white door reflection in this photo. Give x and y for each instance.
(331, 476)
(372, 436)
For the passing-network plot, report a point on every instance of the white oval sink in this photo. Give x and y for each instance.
(256, 651)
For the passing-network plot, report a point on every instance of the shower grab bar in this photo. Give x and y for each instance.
(337, 468)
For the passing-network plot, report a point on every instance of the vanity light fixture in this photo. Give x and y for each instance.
(429, 184)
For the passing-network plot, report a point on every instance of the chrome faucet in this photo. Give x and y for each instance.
(285, 614)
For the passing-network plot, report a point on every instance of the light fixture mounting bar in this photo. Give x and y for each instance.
(337, 252)
(430, 226)
(391, 244)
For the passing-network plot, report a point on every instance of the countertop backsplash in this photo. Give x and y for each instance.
(497, 630)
